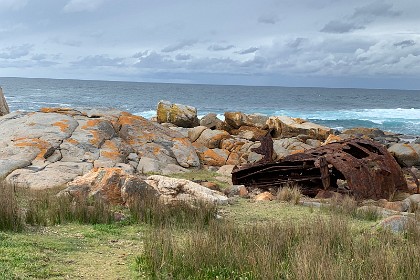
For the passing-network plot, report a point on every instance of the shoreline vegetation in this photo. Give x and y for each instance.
(245, 240)
(88, 194)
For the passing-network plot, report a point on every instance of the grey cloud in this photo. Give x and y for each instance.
(220, 47)
(405, 43)
(336, 26)
(16, 51)
(268, 19)
(295, 44)
(141, 54)
(247, 51)
(179, 46)
(99, 60)
(377, 8)
(183, 57)
(360, 18)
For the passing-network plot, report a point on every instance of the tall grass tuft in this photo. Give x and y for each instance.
(290, 193)
(151, 210)
(348, 206)
(46, 209)
(320, 249)
(10, 214)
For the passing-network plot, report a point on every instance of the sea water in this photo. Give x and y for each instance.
(391, 110)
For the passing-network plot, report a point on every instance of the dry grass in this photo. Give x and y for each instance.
(10, 214)
(290, 193)
(318, 249)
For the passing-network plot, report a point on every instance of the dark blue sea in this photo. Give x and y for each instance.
(391, 110)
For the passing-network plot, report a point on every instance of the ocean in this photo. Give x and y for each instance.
(397, 111)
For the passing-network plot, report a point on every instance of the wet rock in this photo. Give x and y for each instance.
(178, 114)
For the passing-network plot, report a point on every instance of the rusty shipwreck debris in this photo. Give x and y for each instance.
(369, 169)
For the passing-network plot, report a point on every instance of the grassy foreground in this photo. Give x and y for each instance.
(264, 240)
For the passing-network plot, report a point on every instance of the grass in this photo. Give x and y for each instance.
(326, 247)
(59, 238)
(10, 215)
(71, 251)
(289, 193)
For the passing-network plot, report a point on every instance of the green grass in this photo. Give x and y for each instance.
(71, 251)
(253, 240)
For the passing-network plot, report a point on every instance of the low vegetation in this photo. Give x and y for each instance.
(50, 237)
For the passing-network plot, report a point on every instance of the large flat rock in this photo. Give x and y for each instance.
(53, 146)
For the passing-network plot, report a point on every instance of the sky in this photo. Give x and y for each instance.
(321, 43)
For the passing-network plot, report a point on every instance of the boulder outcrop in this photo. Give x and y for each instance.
(284, 127)
(172, 190)
(177, 114)
(111, 185)
(4, 108)
(406, 154)
(52, 147)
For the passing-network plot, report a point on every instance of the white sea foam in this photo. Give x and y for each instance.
(146, 114)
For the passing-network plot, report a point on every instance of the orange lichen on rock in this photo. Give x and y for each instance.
(128, 119)
(42, 145)
(90, 126)
(215, 157)
(110, 151)
(66, 111)
(72, 141)
(63, 125)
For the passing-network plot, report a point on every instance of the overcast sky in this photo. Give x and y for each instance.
(330, 43)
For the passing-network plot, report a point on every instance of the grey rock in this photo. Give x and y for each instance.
(178, 114)
(4, 108)
(172, 190)
(195, 132)
(406, 154)
(211, 121)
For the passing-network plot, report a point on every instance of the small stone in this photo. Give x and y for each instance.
(265, 196)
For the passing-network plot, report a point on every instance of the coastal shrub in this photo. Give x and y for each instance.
(319, 249)
(290, 193)
(10, 214)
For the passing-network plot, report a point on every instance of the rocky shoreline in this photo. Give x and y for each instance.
(55, 147)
